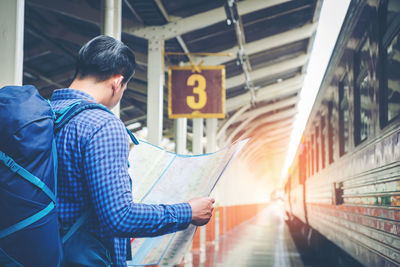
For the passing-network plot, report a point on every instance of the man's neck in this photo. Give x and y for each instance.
(91, 87)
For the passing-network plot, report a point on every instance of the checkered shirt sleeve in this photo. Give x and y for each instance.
(105, 160)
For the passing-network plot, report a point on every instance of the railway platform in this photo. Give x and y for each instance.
(264, 240)
(269, 240)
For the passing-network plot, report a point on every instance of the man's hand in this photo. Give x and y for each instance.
(202, 209)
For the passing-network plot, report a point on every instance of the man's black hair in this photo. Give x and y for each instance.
(103, 57)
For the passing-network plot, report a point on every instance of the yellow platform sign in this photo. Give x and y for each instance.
(196, 92)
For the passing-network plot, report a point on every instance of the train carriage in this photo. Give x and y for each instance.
(345, 179)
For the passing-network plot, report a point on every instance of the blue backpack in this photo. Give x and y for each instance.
(29, 228)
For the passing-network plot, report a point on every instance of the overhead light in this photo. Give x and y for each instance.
(231, 11)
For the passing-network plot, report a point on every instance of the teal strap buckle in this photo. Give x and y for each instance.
(14, 167)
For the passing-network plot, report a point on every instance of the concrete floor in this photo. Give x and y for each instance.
(262, 241)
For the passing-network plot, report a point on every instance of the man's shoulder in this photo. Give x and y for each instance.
(90, 121)
(97, 119)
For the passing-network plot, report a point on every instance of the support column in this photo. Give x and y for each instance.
(203, 235)
(180, 135)
(11, 42)
(211, 131)
(112, 27)
(155, 90)
(211, 146)
(197, 146)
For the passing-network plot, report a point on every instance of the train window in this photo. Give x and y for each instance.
(316, 149)
(302, 170)
(330, 132)
(344, 116)
(323, 152)
(304, 153)
(362, 91)
(390, 90)
(309, 159)
(305, 159)
(312, 155)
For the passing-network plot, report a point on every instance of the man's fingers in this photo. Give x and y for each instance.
(202, 209)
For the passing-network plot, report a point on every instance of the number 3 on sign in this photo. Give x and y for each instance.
(198, 90)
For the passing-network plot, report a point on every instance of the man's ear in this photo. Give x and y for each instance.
(116, 83)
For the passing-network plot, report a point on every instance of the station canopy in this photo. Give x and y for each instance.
(270, 41)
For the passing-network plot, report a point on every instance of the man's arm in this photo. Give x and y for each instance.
(105, 169)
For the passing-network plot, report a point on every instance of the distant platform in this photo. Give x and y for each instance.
(263, 241)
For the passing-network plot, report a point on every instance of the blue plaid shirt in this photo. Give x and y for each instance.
(93, 150)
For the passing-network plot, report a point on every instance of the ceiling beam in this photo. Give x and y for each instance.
(141, 118)
(271, 153)
(59, 31)
(42, 77)
(40, 52)
(265, 133)
(136, 96)
(254, 113)
(274, 117)
(201, 20)
(57, 78)
(280, 145)
(79, 11)
(267, 154)
(231, 120)
(264, 44)
(133, 11)
(279, 140)
(264, 123)
(45, 38)
(279, 123)
(272, 133)
(162, 9)
(270, 128)
(270, 70)
(270, 92)
(270, 147)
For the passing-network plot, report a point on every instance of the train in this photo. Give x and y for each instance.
(344, 181)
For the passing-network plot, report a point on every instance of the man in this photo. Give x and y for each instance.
(93, 151)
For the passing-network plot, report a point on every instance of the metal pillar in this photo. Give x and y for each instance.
(155, 90)
(11, 42)
(211, 131)
(112, 27)
(180, 135)
(203, 236)
(197, 136)
(211, 146)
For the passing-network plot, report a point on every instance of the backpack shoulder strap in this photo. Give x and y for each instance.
(79, 222)
(65, 115)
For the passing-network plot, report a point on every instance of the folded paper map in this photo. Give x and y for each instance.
(162, 177)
